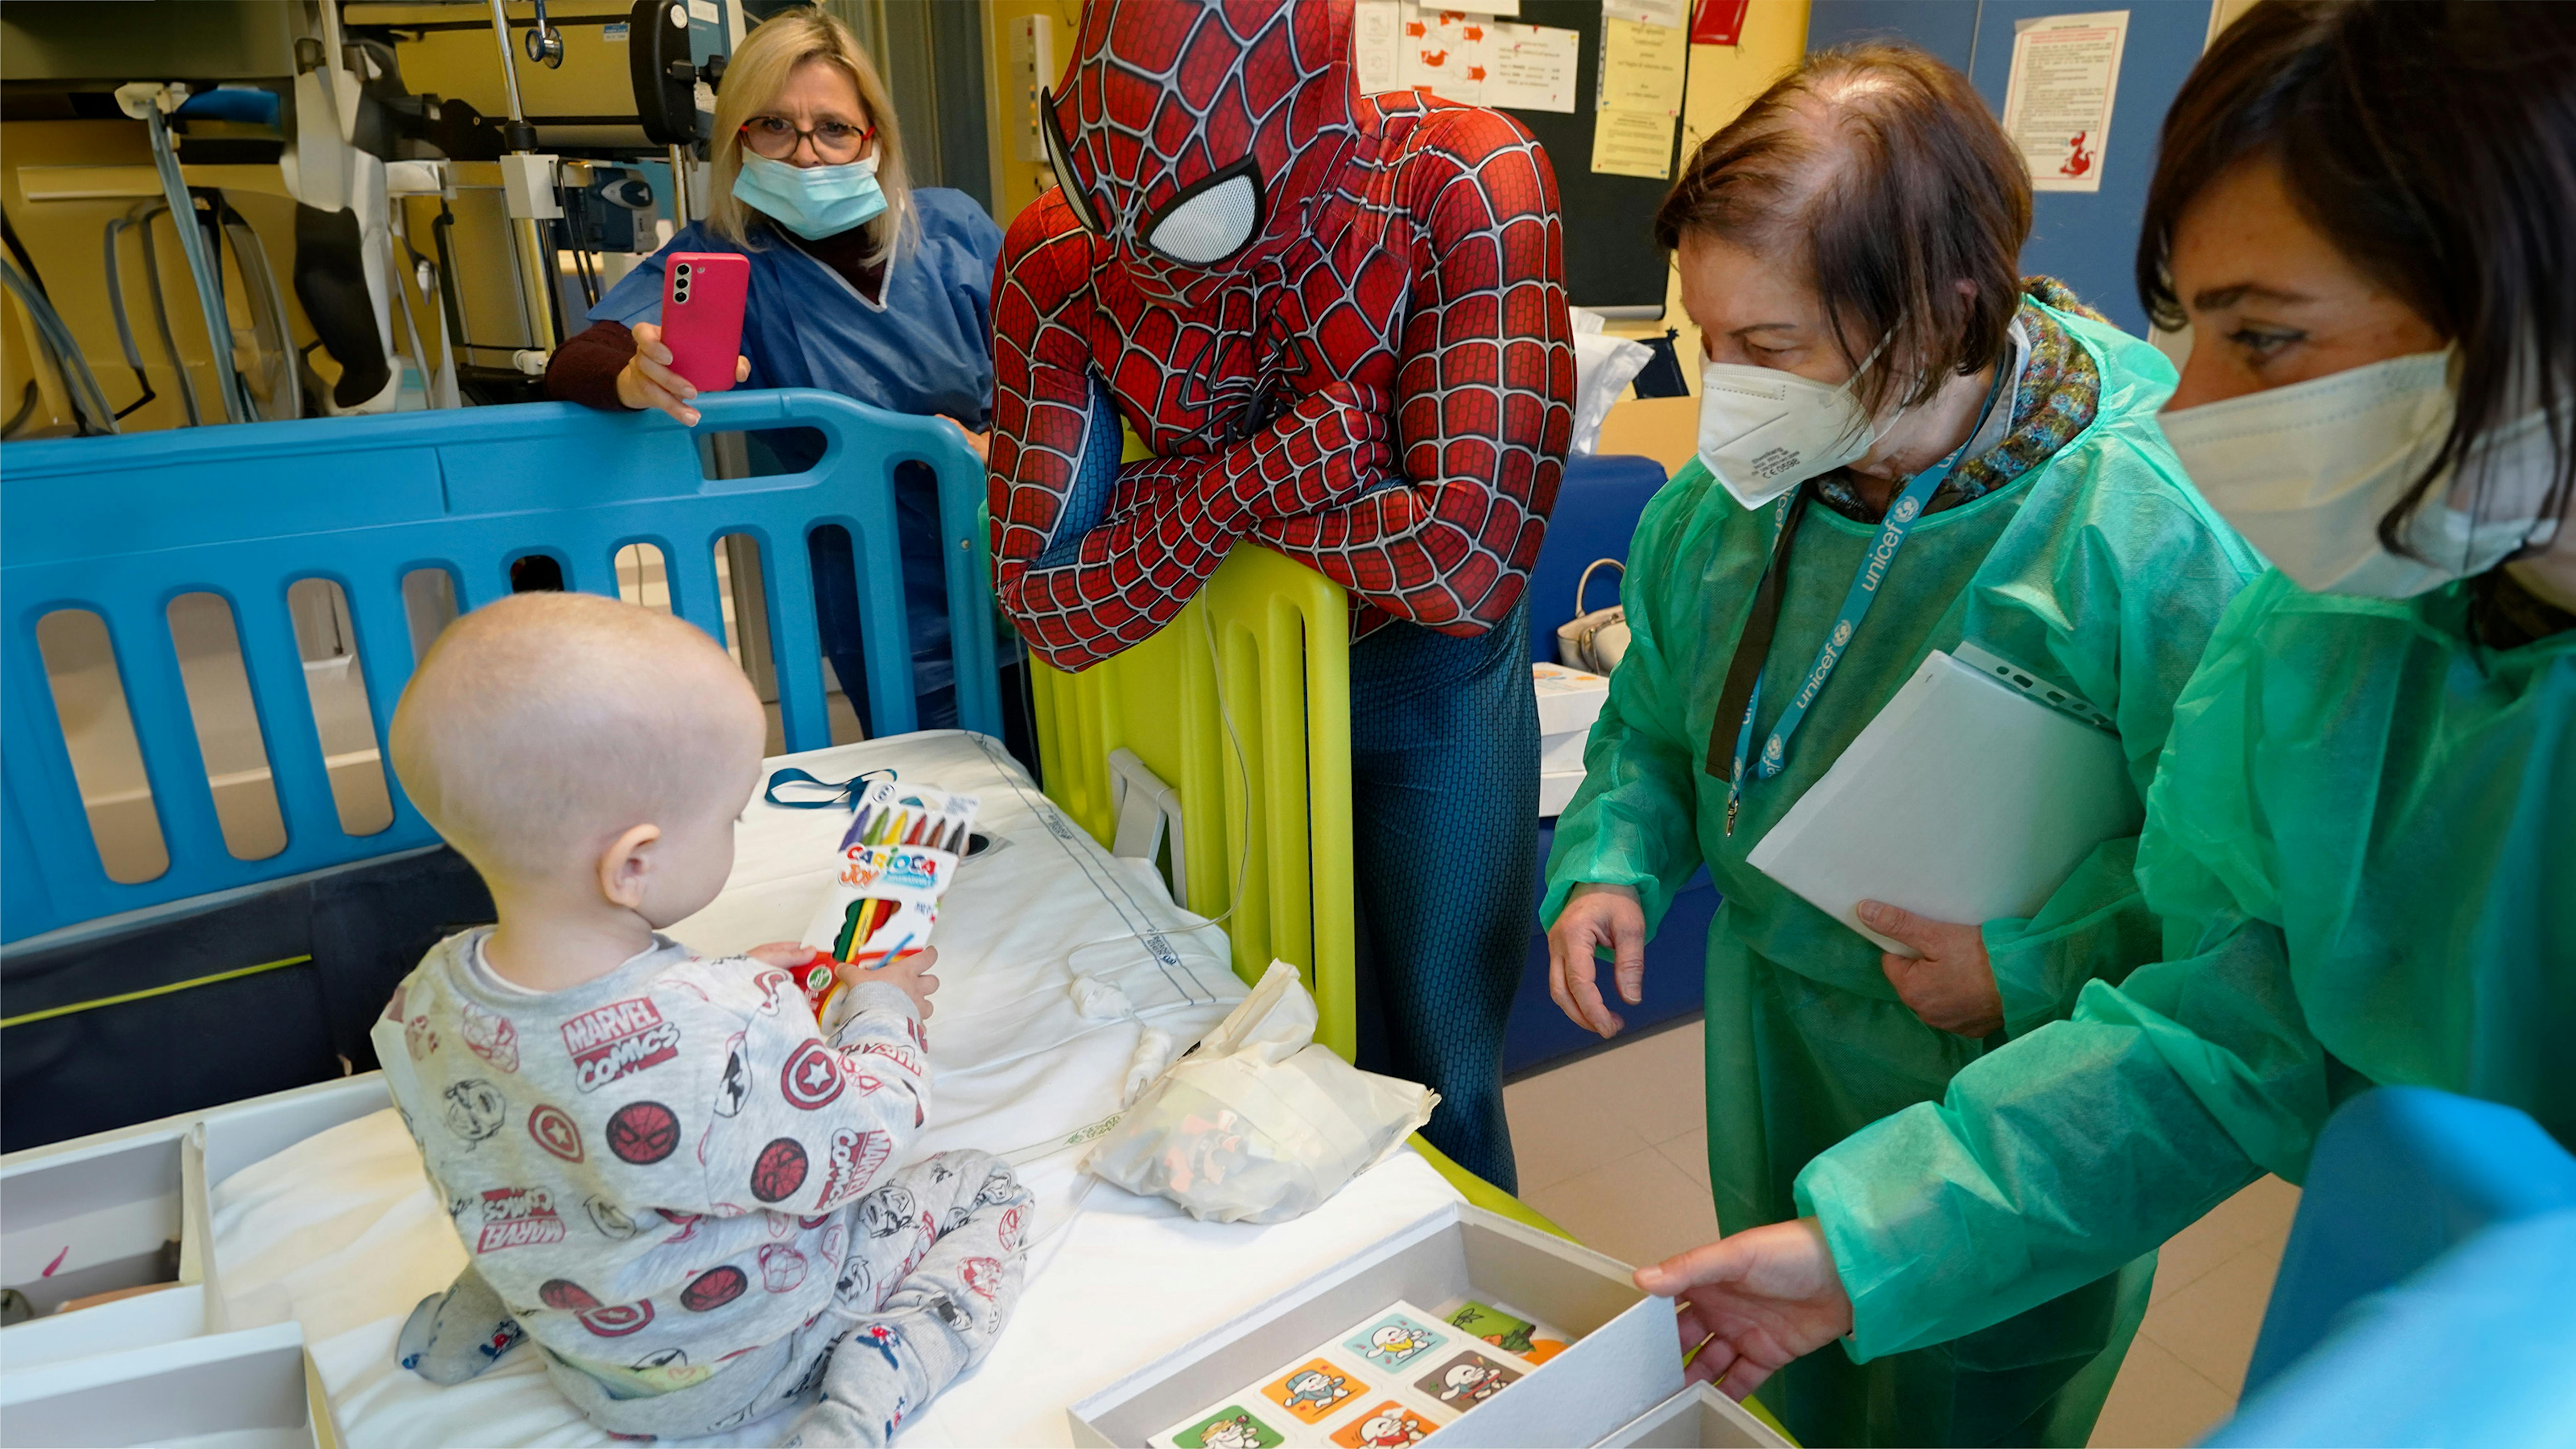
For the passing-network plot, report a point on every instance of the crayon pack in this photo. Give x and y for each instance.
(896, 860)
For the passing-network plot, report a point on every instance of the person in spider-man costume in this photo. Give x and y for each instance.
(1339, 324)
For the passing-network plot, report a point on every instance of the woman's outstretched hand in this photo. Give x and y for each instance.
(647, 381)
(1752, 1301)
(1597, 916)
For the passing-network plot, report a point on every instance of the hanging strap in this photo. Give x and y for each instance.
(1902, 514)
(1585, 582)
(844, 793)
(1753, 646)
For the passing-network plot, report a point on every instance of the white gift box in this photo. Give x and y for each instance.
(1556, 791)
(1562, 754)
(1569, 700)
(1625, 1357)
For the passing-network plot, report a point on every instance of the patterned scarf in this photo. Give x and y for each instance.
(2059, 391)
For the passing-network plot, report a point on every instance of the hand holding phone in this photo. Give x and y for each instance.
(697, 346)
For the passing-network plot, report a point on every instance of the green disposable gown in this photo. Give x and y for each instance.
(2363, 845)
(2099, 569)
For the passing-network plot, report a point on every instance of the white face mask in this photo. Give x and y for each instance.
(1763, 432)
(2306, 472)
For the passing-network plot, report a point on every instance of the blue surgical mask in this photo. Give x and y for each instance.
(812, 201)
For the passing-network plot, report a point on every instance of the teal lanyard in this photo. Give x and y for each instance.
(1901, 517)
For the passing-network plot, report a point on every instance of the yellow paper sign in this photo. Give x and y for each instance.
(1643, 67)
(1633, 143)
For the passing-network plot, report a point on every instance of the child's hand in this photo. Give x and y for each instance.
(911, 971)
(785, 955)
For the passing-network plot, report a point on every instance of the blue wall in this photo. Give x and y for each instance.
(2088, 240)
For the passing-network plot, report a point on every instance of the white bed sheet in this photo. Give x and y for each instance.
(341, 1232)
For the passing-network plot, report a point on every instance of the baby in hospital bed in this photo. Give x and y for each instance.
(662, 1171)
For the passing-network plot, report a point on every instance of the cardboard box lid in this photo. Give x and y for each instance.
(225, 1383)
(1699, 1417)
(1625, 1360)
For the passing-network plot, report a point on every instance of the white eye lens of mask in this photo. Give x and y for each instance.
(1207, 226)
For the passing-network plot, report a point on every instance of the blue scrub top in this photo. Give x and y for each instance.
(927, 348)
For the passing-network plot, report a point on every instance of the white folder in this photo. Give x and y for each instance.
(1966, 800)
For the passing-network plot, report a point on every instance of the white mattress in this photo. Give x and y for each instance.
(341, 1233)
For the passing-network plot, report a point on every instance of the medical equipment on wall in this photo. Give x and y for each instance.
(433, 246)
(80, 398)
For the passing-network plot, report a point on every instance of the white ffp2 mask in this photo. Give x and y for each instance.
(1763, 432)
(2306, 472)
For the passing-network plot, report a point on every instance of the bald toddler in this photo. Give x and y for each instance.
(661, 1169)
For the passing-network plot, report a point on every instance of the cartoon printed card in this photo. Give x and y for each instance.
(1396, 1337)
(1507, 1331)
(1466, 1381)
(1387, 1426)
(1231, 1427)
(1314, 1390)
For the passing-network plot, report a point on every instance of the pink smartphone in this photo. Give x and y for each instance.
(702, 297)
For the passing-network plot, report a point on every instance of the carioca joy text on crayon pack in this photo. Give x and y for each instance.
(896, 860)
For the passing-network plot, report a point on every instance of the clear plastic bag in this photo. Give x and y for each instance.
(1257, 1123)
(1603, 368)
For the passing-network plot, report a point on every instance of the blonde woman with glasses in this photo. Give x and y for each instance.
(861, 284)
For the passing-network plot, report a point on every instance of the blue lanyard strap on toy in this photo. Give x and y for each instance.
(1901, 517)
(843, 793)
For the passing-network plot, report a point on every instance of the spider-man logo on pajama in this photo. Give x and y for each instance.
(1339, 324)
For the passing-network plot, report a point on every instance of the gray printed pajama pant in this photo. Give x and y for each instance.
(902, 1324)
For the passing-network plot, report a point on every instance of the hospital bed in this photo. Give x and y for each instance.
(313, 1208)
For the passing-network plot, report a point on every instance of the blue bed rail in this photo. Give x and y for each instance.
(121, 526)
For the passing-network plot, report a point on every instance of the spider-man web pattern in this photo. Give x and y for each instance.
(1378, 383)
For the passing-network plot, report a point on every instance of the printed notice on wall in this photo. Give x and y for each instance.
(1646, 12)
(1377, 48)
(1643, 66)
(2057, 107)
(1531, 68)
(1633, 143)
(1445, 52)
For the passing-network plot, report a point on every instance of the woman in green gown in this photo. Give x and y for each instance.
(1974, 458)
(2361, 841)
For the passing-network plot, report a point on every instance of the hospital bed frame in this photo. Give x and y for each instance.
(1243, 705)
(122, 526)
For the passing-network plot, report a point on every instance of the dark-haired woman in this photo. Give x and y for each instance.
(1903, 445)
(2362, 840)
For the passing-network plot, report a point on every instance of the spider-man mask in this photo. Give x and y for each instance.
(1195, 137)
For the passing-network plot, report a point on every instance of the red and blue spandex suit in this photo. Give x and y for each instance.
(1339, 323)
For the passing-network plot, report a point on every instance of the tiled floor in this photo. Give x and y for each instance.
(1614, 1148)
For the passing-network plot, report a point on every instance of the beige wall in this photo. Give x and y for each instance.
(1723, 80)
